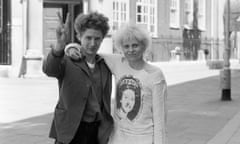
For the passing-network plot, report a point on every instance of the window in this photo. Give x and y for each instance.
(146, 15)
(188, 14)
(174, 14)
(202, 14)
(120, 13)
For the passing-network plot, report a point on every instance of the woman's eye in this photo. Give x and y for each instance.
(126, 46)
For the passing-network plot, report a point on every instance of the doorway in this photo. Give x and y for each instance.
(50, 21)
(5, 32)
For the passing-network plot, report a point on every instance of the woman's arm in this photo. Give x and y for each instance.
(111, 60)
(160, 112)
(74, 51)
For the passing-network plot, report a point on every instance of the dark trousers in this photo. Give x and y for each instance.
(87, 133)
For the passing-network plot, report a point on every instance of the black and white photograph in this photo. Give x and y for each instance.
(119, 71)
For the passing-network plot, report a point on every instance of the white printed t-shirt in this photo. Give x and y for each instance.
(139, 105)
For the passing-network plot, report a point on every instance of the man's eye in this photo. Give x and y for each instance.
(97, 39)
(135, 45)
(88, 38)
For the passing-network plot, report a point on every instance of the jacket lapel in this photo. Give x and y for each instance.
(81, 64)
(104, 75)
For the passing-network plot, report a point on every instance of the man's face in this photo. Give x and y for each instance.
(128, 100)
(91, 40)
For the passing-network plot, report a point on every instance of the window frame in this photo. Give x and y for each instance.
(174, 14)
(146, 15)
(188, 14)
(120, 13)
(202, 15)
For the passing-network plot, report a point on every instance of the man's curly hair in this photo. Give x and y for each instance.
(93, 20)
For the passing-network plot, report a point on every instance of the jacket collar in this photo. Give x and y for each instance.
(82, 63)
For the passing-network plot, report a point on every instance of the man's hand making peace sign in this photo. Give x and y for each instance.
(62, 34)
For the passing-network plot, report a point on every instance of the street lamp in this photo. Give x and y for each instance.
(225, 73)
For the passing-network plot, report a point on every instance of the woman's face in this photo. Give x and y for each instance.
(128, 100)
(133, 50)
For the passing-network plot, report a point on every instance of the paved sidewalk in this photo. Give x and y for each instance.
(196, 113)
(230, 133)
(235, 139)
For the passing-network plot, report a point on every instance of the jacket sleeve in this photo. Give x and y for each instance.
(53, 65)
(160, 112)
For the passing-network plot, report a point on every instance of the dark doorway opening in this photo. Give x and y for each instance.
(50, 20)
(5, 32)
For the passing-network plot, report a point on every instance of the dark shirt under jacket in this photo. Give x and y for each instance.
(92, 111)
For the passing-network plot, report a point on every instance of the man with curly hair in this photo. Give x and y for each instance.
(82, 114)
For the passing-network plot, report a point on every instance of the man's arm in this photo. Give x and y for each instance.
(53, 64)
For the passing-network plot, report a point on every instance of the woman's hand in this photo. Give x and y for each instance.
(74, 53)
(73, 50)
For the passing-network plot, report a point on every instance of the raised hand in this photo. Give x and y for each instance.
(62, 32)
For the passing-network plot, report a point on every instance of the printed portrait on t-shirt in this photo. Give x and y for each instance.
(128, 98)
